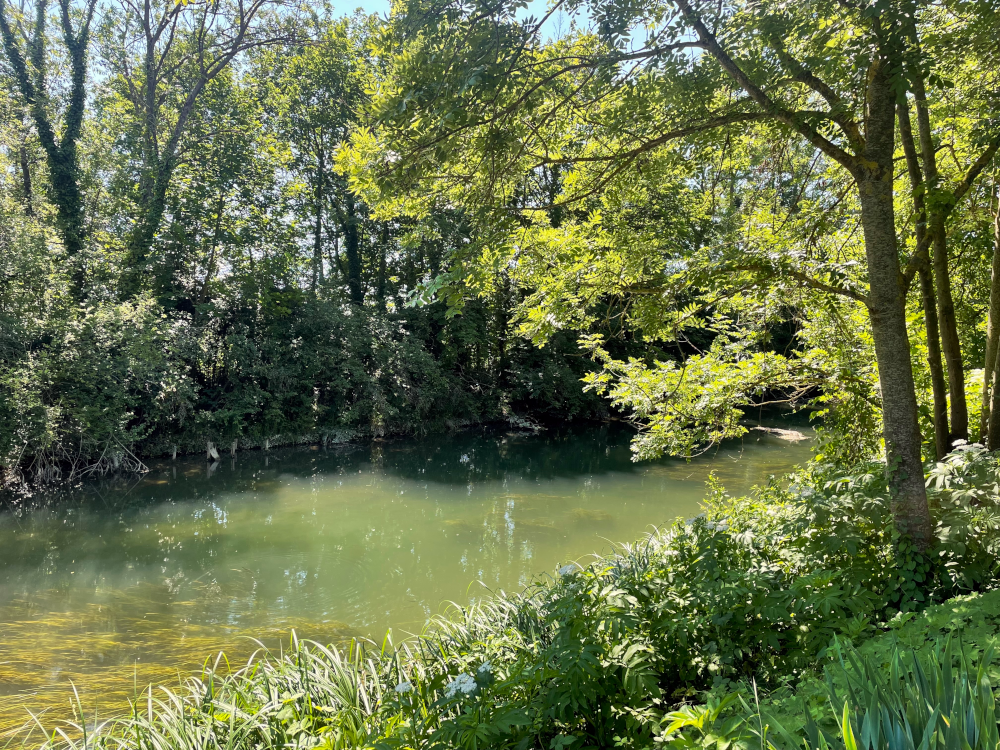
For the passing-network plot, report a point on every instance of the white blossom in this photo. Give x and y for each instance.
(963, 445)
(404, 687)
(464, 683)
(565, 570)
(485, 669)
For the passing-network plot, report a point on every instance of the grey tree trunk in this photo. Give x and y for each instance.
(942, 444)
(950, 345)
(887, 312)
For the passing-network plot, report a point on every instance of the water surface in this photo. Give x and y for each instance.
(121, 583)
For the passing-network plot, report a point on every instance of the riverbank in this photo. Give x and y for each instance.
(757, 588)
(121, 460)
(127, 581)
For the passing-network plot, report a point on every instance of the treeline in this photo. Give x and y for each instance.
(183, 265)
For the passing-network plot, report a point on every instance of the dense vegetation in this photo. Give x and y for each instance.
(241, 222)
(255, 222)
(181, 266)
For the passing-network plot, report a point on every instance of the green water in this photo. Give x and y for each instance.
(126, 582)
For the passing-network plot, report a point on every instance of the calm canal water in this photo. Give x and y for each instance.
(124, 583)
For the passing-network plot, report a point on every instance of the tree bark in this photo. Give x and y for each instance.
(942, 444)
(936, 214)
(887, 311)
(353, 250)
(950, 345)
(992, 338)
(993, 432)
(993, 428)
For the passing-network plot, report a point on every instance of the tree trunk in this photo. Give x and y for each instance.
(334, 256)
(353, 250)
(60, 153)
(950, 344)
(992, 337)
(151, 210)
(938, 387)
(993, 429)
(887, 311)
(383, 242)
(317, 263)
(993, 432)
(941, 442)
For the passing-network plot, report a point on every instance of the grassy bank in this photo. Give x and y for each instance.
(758, 591)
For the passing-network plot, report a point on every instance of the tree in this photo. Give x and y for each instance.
(479, 104)
(30, 67)
(318, 92)
(165, 55)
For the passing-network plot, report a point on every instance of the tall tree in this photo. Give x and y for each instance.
(479, 101)
(166, 54)
(30, 63)
(317, 93)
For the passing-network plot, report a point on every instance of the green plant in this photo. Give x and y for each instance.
(931, 704)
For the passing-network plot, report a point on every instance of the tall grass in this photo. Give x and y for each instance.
(311, 694)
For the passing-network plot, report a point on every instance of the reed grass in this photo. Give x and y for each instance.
(110, 651)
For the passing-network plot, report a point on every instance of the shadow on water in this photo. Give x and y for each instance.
(123, 582)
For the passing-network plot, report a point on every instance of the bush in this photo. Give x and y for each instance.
(94, 387)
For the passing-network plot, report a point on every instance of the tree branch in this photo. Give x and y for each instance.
(805, 278)
(772, 108)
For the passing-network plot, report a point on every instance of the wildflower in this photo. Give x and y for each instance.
(565, 570)
(963, 445)
(464, 683)
(404, 687)
(485, 669)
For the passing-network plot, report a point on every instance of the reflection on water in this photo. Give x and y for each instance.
(123, 583)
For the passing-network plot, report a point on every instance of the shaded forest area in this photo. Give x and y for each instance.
(183, 265)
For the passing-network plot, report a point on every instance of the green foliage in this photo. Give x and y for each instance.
(690, 406)
(269, 304)
(63, 412)
(907, 701)
(915, 705)
(297, 368)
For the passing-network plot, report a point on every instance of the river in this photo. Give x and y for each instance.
(124, 582)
